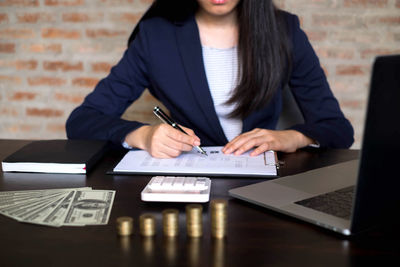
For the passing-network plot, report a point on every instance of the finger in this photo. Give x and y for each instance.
(239, 141)
(164, 150)
(159, 155)
(261, 149)
(162, 155)
(167, 141)
(231, 146)
(250, 144)
(190, 132)
(160, 142)
(176, 140)
(170, 151)
(183, 138)
(176, 145)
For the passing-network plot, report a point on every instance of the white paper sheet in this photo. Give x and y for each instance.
(194, 163)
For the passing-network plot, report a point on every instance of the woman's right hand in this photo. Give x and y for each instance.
(162, 140)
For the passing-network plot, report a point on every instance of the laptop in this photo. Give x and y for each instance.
(356, 195)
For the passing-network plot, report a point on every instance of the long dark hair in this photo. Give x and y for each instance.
(264, 49)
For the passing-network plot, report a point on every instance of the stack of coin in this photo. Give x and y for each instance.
(147, 225)
(170, 222)
(124, 226)
(194, 223)
(219, 218)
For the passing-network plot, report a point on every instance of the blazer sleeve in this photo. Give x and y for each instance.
(324, 121)
(98, 117)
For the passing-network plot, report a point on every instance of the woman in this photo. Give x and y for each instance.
(219, 67)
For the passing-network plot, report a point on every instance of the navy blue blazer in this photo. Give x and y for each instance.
(166, 58)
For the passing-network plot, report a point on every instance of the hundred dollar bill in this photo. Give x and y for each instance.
(25, 206)
(5, 197)
(90, 208)
(57, 207)
(40, 209)
(9, 198)
(14, 203)
(25, 211)
(57, 216)
(38, 216)
(39, 191)
(17, 200)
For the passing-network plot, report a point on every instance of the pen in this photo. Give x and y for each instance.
(166, 119)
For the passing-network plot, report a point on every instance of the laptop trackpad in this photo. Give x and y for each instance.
(323, 180)
(268, 194)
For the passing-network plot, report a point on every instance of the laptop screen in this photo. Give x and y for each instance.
(379, 179)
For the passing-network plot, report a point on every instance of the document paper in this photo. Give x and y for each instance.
(194, 163)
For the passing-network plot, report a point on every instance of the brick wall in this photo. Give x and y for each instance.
(53, 52)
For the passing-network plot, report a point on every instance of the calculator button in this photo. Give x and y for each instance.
(167, 183)
(156, 182)
(200, 184)
(178, 183)
(189, 183)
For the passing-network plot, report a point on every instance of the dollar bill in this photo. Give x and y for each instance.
(57, 215)
(39, 191)
(58, 207)
(16, 200)
(10, 198)
(90, 207)
(40, 210)
(40, 215)
(17, 208)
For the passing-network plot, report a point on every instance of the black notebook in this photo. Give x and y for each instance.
(55, 156)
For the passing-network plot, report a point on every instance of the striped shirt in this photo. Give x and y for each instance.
(221, 66)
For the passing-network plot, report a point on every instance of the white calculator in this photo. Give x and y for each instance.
(177, 189)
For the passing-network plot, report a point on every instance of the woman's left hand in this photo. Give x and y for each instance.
(263, 140)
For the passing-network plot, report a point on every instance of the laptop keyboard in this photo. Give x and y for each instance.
(337, 203)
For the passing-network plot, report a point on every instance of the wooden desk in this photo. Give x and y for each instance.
(256, 236)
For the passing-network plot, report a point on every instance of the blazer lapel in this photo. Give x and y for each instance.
(189, 46)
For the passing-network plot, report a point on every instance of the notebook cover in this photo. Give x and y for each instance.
(86, 152)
